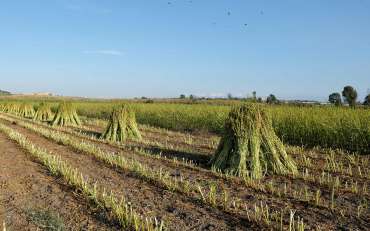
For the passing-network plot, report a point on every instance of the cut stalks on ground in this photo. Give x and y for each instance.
(120, 208)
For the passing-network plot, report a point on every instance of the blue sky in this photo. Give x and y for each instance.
(120, 48)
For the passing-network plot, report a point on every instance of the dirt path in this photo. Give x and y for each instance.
(178, 211)
(31, 198)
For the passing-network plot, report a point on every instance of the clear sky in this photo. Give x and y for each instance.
(301, 49)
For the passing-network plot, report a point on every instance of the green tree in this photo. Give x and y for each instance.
(367, 100)
(271, 99)
(335, 99)
(182, 96)
(254, 95)
(350, 95)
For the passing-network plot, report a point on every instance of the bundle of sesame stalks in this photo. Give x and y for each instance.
(26, 110)
(249, 146)
(66, 115)
(12, 108)
(43, 113)
(122, 125)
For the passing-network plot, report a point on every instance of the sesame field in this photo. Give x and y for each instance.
(148, 166)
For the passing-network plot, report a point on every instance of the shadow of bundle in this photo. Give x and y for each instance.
(66, 115)
(26, 110)
(122, 125)
(43, 113)
(249, 146)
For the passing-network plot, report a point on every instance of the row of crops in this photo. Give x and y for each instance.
(324, 126)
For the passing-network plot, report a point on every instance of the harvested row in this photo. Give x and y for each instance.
(308, 177)
(34, 199)
(310, 214)
(92, 192)
(199, 148)
(147, 199)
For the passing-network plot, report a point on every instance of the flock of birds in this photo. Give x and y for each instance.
(228, 13)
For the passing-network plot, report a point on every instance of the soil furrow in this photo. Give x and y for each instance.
(31, 198)
(315, 214)
(237, 189)
(178, 211)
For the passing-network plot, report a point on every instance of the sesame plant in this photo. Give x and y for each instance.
(26, 110)
(43, 113)
(249, 145)
(122, 125)
(66, 115)
(12, 108)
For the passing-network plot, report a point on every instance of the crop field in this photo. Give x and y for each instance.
(324, 126)
(65, 177)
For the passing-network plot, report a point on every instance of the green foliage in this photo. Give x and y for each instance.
(335, 99)
(327, 127)
(254, 93)
(271, 99)
(367, 100)
(66, 115)
(122, 125)
(249, 145)
(43, 113)
(350, 94)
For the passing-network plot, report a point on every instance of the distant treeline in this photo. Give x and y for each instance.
(5, 92)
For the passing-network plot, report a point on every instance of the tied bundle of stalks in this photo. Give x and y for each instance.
(43, 113)
(122, 125)
(26, 110)
(2, 107)
(249, 146)
(13, 108)
(66, 115)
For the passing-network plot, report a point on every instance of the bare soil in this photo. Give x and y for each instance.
(27, 189)
(178, 211)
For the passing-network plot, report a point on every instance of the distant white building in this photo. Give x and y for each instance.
(42, 94)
